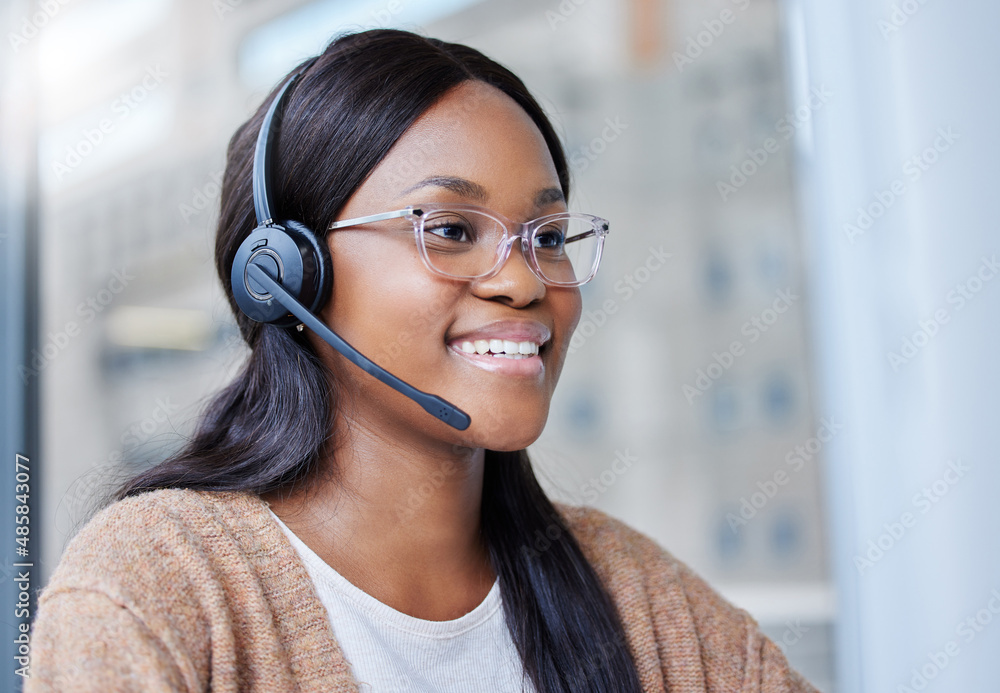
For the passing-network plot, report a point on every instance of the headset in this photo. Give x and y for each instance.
(282, 273)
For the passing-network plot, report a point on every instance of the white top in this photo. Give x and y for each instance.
(391, 651)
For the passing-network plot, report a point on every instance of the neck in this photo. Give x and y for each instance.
(399, 518)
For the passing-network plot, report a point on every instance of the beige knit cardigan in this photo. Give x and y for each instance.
(179, 590)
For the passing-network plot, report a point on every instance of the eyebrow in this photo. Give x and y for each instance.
(549, 195)
(467, 188)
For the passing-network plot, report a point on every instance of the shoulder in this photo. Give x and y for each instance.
(145, 538)
(150, 571)
(595, 529)
(616, 548)
(671, 613)
(199, 586)
(162, 513)
(628, 559)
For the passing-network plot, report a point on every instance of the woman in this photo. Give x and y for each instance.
(322, 532)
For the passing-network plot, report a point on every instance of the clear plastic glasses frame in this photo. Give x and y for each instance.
(539, 237)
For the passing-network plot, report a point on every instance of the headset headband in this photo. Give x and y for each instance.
(262, 155)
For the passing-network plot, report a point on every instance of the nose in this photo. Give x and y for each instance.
(514, 283)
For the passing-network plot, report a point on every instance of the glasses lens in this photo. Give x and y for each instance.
(461, 244)
(567, 249)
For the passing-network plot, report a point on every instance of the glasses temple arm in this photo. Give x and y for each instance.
(375, 217)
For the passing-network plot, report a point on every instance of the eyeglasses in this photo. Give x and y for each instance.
(469, 242)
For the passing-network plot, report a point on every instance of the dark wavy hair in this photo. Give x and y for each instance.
(269, 428)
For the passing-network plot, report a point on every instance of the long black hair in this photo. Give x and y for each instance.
(269, 429)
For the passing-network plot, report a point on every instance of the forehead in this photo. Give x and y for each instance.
(475, 132)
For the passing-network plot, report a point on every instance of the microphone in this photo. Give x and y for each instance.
(432, 404)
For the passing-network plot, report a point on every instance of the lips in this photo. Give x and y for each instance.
(506, 346)
(503, 337)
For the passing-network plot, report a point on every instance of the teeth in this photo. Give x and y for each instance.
(500, 348)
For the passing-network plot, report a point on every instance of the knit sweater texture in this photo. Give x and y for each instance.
(181, 590)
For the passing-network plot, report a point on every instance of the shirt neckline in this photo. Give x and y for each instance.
(322, 572)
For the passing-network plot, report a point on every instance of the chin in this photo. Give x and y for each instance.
(506, 434)
(510, 447)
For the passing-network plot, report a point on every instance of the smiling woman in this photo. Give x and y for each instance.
(322, 532)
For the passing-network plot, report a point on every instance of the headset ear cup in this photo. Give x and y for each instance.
(318, 266)
(301, 262)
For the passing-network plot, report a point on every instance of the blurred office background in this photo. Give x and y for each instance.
(785, 370)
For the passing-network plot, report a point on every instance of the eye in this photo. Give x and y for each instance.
(550, 237)
(450, 230)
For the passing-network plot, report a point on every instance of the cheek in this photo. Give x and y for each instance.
(568, 308)
(575, 309)
(385, 304)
